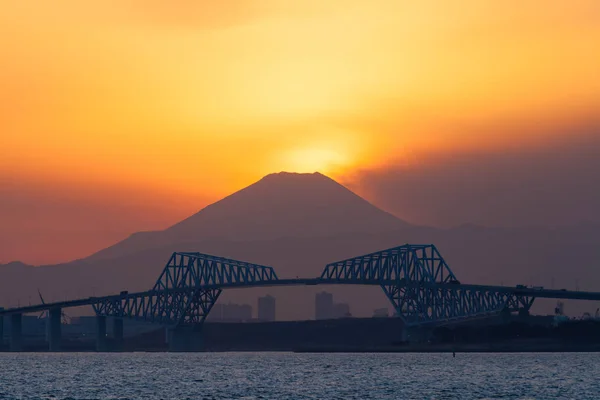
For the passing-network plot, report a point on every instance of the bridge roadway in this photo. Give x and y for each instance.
(530, 292)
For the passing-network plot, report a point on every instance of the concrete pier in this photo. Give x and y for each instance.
(184, 339)
(54, 330)
(101, 341)
(16, 332)
(118, 334)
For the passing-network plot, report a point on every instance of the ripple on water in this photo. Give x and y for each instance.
(298, 376)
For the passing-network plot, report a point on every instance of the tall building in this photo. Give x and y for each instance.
(323, 305)
(266, 308)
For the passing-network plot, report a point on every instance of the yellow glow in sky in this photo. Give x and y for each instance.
(208, 96)
(314, 159)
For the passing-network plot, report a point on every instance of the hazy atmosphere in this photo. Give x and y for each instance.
(279, 199)
(125, 116)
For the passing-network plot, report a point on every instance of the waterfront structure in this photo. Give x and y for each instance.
(323, 305)
(266, 308)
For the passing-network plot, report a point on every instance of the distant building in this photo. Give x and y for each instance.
(245, 312)
(341, 310)
(266, 308)
(323, 305)
(380, 313)
(230, 312)
(237, 312)
(216, 313)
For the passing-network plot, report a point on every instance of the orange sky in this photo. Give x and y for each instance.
(171, 105)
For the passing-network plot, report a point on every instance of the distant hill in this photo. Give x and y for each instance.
(298, 223)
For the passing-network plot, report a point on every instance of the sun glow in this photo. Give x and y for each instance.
(314, 159)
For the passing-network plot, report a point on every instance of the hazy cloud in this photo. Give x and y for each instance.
(549, 185)
(53, 223)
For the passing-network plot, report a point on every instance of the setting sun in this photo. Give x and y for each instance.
(315, 159)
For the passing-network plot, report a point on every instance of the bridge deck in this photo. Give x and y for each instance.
(537, 293)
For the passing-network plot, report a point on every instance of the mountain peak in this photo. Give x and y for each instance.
(288, 204)
(287, 174)
(294, 177)
(278, 205)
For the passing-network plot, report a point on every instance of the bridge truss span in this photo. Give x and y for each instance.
(423, 304)
(421, 286)
(167, 307)
(187, 289)
(185, 270)
(407, 263)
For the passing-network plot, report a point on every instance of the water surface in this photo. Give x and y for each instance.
(299, 376)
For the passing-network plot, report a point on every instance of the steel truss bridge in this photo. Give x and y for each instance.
(415, 278)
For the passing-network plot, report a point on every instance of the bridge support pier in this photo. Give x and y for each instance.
(16, 332)
(118, 334)
(54, 330)
(184, 339)
(101, 342)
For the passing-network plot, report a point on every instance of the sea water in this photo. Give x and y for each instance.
(299, 376)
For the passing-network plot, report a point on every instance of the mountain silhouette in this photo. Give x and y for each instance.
(288, 204)
(297, 223)
(279, 205)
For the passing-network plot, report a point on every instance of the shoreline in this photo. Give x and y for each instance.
(463, 348)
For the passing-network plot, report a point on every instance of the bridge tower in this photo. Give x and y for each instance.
(185, 292)
(422, 288)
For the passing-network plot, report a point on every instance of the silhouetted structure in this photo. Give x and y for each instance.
(415, 278)
(266, 308)
(323, 305)
(231, 312)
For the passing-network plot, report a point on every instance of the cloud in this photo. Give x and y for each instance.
(547, 184)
